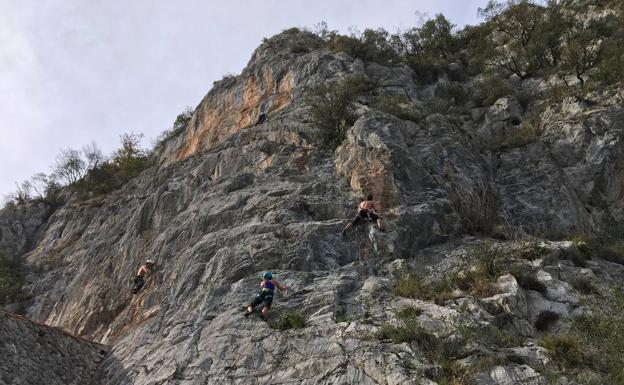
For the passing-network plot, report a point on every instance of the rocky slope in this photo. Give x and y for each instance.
(228, 200)
(34, 353)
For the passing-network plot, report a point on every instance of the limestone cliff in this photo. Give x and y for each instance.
(227, 199)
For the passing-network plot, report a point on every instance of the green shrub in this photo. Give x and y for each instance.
(126, 163)
(299, 48)
(430, 48)
(474, 200)
(397, 105)
(566, 349)
(290, 320)
(11, 280)
(613, 250)
(488, 335)
(292, 31)
(453, 91)
(532, 251)
(610, 67)
(601, 332)
(455, 373)
(473, 281)
(409, 312)
(485, 256)
(528, 132)
(595, 341)
(584, 285)
(446, 350)
(410, 286)
(178, 127)
(333, 109)
(435, 106)
(409, 331)
(371, 45)
(491, 88)
(478, 281)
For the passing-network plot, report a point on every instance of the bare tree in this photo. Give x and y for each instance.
(23, 193)
(39, 182)
(69, 167)
(93, 156)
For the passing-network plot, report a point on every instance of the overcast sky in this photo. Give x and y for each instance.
(76, 71)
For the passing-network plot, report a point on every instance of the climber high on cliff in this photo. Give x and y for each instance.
(139, 281)
(262, 118)
(367, 211)
(265, 294)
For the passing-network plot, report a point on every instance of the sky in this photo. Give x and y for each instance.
(75, 71)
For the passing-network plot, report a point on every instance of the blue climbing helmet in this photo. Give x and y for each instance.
(267, 275)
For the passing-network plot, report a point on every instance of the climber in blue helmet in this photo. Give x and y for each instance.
(265, 294)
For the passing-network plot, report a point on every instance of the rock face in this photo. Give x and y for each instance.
(228, 199)
(18, 226)
(34, 354)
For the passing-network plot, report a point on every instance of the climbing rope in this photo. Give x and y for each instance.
(361, 276)
(359, 313)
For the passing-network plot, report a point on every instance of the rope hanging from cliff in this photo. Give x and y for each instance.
(361, 278)
(356, 331)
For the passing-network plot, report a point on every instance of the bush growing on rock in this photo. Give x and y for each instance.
(332, 107)
(490, 88)
(528, 132)
(445, 351)
(410, 285)
(397, 105)
(409, 312)
(430, 48)
(290, 320)
(477, 278)
(408, 331)
(87, 172)
(126, 163)
(613, 251)
(531, 251)
(454, 91)
(474, 200)
(371, 45)
(584, 285)
(566, 349)
(178, 127)
(595, 341)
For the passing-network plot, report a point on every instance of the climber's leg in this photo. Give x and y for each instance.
(377, 219)
(356, 220)
(256, 301)
(268, 300)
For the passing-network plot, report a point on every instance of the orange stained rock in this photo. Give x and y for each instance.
(226, 112)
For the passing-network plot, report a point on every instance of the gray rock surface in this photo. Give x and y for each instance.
(227, 200)
(34, 354)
